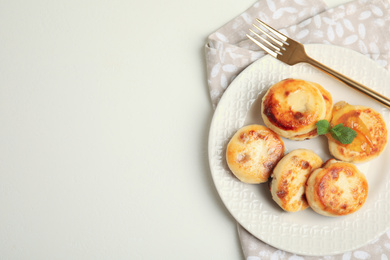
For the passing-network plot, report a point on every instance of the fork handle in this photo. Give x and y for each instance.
(351, 83)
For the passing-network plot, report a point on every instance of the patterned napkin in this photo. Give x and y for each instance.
(361, 25)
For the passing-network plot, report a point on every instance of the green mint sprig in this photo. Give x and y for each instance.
(343, 134)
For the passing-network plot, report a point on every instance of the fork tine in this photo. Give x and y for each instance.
(265, 48)
(268, 35)
(278, 34)
(265, 40)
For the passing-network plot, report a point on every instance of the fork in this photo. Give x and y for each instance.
(292, 52)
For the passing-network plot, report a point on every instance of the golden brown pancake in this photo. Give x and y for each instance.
(292, 107)
(336, 189)
(253, 152)
(371, 132)
(329, 107)
(289, 179)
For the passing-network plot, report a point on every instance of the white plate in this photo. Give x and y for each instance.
(305, 232)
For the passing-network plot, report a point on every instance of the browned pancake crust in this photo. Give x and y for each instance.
(371, 132)
(337, 189)
(253, 152)
(289, 179)
(287, 121)
(329, 107)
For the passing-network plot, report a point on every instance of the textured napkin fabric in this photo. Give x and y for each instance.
(363, 26)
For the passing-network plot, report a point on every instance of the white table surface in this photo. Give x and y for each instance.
(105, 113)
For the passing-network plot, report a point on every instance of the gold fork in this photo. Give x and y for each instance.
(291, 52)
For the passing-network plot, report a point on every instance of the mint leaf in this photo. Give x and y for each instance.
(337, 128)
(347, 135)
(323, 127)
(343, 134)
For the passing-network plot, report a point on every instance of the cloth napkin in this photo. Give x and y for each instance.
(361, 25)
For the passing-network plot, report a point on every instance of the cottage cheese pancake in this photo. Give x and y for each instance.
(371, 132)
(289, 179)
(336, 189)
(253, 152)
(292, 107)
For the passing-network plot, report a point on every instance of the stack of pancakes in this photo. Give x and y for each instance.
(290, 109)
